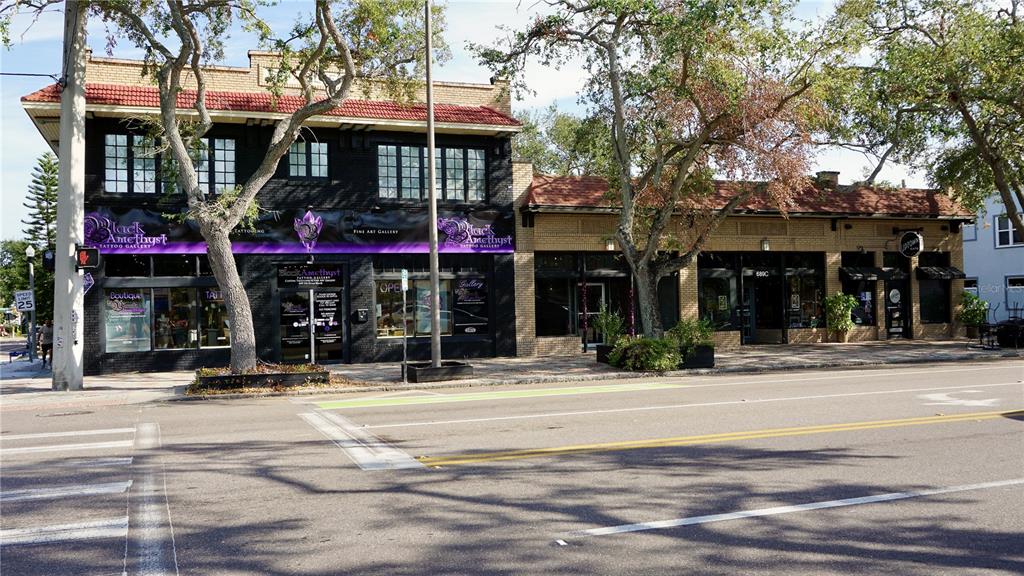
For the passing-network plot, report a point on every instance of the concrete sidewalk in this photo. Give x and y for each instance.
(25, 385)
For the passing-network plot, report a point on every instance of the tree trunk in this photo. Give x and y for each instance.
(222, 261)
(647, 302)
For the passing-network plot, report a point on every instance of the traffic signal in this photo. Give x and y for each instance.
(87, 258)
(49, 262)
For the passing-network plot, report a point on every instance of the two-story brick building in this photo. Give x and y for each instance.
(344, 214)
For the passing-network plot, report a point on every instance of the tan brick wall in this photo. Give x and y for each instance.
(252, 79)
(727, 340)
(558, 345)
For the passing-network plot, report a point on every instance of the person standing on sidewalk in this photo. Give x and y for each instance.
(46, 341)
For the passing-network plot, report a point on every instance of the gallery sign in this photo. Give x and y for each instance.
(302, 231)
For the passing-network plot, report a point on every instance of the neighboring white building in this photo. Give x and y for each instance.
(994, 262)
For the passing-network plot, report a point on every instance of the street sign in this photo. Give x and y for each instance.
(87, 258)
(405, 279)
(24, 301)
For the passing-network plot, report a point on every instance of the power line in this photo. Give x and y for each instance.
(54, 76)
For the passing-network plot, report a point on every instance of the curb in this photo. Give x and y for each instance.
(479, 383)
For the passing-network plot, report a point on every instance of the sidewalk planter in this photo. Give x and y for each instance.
(603, 350)
(449, 370)
(699, 356)
(265, 380)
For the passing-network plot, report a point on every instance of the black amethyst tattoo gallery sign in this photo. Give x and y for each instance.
(139, 231)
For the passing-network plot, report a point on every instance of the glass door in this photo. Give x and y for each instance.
(294, 325)
(897, 309)
(327, 326)
(592, 298)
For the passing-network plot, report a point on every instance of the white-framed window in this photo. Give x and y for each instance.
(969, 231)
(308, 160)
(1006, 234)
(460, 174)
(115, 159)
(133, 164)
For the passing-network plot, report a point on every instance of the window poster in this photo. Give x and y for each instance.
(127, 320)
(471, 306)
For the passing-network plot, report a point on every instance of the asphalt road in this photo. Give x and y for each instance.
(910, 470)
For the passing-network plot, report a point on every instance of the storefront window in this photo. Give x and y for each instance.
(554, 313)
(174, 319)
(934, 301)
(126, 265)
(214, 328)
(863, 290)
(174, 265)
(389, 308)
(805, 278)
(719, 300)
(127, 320)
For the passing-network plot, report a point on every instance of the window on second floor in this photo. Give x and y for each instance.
(307, 160)
(460, 173)
(133, 164)
(1006, 234)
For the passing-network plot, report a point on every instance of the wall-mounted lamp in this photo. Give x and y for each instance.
(861, 250)
(847, 226)
(609, 245)
(765, 246)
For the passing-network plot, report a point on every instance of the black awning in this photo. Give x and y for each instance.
(940, 273)
(871, 273)
(863, 273)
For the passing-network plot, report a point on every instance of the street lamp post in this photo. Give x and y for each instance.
(30, 254)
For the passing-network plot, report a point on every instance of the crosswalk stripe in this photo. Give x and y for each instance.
(112, 528)
(107, 431)
(366, 450)
(64, 491)
(67, 447)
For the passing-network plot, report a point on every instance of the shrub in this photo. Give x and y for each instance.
(610, 324)
(645, 354)
(973, 310)
(838, 311)
(688, 333)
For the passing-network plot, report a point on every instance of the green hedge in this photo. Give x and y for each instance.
(645, 354)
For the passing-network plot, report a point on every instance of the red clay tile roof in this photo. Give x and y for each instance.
(590, 192)
(148, 97)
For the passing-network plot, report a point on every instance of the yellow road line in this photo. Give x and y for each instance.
(455, 460)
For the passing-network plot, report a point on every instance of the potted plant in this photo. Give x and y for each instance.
(695, 343)
(610, 325)
(839, 315)
(973, 313)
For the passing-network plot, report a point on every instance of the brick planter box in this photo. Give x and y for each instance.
(229, 381)
(449, 370)
(698, 357)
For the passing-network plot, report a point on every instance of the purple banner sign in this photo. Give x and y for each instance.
(139, 231)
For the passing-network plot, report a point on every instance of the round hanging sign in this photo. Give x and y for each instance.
(911, 244)
(894, 296)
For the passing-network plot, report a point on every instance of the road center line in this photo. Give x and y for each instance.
(73, 433)
(693, 520)
(67, 447)
(677, 406)
(112, 528)
(64, 491)
(455, 460)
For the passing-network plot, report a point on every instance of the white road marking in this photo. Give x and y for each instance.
(152, 534)
(67, 447)
(673, 406)
(364, 449)
(112, 528)
(64, 491)
(73, 433)
(642, 526)
(947, 399)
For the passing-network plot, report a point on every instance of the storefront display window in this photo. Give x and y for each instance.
(554, 306)
(174, 265)
(388, 296)
(174, 319)
(127, 320)
(863, 290)
(126, 265)
(805, 301)
(934, 301)
(214, 328)
(719, 300)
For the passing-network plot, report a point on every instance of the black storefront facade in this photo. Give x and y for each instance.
(344, 215)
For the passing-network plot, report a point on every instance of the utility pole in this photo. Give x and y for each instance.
(435, 283)
(67, 290)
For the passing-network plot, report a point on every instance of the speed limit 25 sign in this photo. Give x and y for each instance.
(24, 301)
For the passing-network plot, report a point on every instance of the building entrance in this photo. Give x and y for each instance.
(311, 313)
(897, 309)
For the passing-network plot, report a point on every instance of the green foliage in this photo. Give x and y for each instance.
(564, 144)
(688, 333)
(41, 226)
(838, 311)
(13, 270)
(609, 324)
(973, 310)
(645, 354)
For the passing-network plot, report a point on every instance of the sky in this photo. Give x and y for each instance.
(37, 49)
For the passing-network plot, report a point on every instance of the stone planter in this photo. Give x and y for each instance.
(230, 381)
(449, 370)
(700, 356)
(603, 350)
